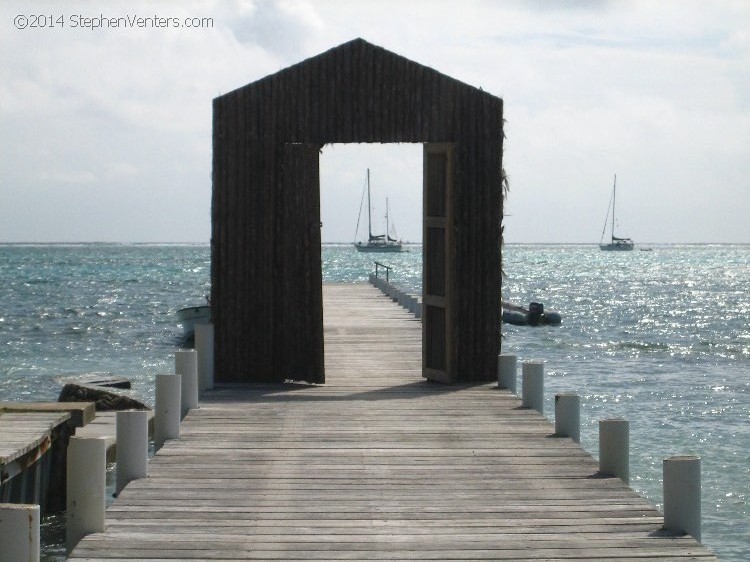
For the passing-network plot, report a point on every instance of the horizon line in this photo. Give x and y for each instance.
(332, 243)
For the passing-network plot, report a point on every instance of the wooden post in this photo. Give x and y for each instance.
(614, 448)
(507, 371)
(532, 385)
(186, 365)
(167, 408)
(568, 416)
(86, 473)
(682, 495)
(132, 446)
(19, 532)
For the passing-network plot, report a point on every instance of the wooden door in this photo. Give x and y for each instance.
(438, 356)
(298, 342)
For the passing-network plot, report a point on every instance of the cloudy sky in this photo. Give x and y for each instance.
(105, 133)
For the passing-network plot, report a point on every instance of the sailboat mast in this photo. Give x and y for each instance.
(614, 200)
(387, 236)
(369, 208)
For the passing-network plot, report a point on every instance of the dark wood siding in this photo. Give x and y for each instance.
(356, 92)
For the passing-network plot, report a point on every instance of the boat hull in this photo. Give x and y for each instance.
(192, 315)
(622, 247)
(379, 248)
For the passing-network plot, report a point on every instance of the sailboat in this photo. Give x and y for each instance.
(616, 244)
(376, 242)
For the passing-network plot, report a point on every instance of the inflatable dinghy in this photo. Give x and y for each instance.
(535, 315)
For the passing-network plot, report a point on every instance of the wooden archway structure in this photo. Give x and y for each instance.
(266, 289)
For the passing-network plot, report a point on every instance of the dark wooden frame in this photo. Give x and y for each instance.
(265, 245)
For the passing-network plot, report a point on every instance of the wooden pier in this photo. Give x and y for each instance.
(33, 442)
(376, 464)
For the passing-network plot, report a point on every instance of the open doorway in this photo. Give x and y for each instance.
(395, 175)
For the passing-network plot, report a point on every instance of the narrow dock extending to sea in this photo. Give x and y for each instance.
(377, 464)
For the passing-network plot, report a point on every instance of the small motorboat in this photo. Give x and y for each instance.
(192, 315)
(535, 315)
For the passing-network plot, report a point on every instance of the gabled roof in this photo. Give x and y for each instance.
(360, 90)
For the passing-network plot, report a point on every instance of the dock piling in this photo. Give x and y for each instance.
(86, 475)
(186, 365)
(167, 408)
(614, 448)
(204, 345)
(532, 385)
(19, 532)
(568, 416)
(682, 495)
(132, 446)
(507, 371)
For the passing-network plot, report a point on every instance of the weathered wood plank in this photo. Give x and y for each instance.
(22, 432)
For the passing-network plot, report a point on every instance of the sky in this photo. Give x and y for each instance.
(105, 131)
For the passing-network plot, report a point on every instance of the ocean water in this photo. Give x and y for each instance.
(661, 338)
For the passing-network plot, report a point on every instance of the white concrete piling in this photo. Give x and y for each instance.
(507, 371)
(86, 485)
(204, 345)
(568, 416)
(402, 297)
(19, 532)
(132, 446)
(186, 365)
(682, 495)
(532, 385)
(167, 408)
(614, 448)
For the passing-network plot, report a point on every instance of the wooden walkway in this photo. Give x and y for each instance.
(376, 465)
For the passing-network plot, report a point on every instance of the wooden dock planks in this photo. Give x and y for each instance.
(377, 464)
(24, 432)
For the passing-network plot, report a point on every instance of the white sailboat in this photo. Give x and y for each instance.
(616, 243)
(376, 242)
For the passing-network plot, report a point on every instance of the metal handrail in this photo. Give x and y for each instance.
(387, 269)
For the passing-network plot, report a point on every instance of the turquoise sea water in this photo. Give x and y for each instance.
(661, 338)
